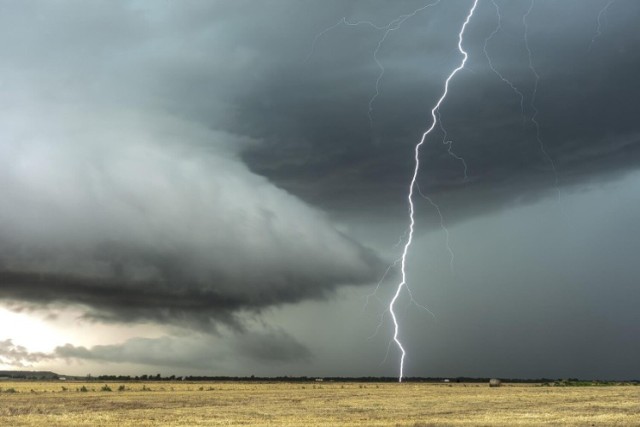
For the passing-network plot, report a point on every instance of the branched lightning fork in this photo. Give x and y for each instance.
(442, 226)
(393, 25)
(449, 145)
(493, 68)
(412, 300)
(601, 14)
(374, 294)
(534, 94)
(532, 103)
(412, 185)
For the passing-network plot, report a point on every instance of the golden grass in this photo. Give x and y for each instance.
(321, 404)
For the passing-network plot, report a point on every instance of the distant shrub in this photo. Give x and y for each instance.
(64, 388)
(105, 388)
(122, 388)
(84, 389)
(10, 390)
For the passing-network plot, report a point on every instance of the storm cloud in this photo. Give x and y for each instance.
(585, 99)
(196, 352)
(213, 165)
(17, 355)
(135, 219)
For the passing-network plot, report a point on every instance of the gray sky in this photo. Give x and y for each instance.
(212, 187)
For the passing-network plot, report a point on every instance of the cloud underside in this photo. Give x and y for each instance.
(195, 351)
(114, 301)
(143, 224)
(583, 104)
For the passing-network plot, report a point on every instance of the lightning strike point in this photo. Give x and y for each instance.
(403, 283)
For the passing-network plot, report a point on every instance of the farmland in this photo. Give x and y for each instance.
(57, 403)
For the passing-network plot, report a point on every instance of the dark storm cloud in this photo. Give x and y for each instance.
(194, 352)
(533, 295)
(133, 136)
(161, 352)
(117, 200)
(133, 225)
(319, 143)
(275, 346)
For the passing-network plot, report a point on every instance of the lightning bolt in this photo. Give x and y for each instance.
(342, 21)
(403, 283)
(412, 300)
(393, 25)
(601, 14)
(414, 188)
(374, 294)
(449, 145)
(442, 225)
(493, 68)
(532, 103)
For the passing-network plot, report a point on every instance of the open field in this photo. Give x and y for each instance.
(325, 404)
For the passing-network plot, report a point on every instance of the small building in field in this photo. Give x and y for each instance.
(494, 382)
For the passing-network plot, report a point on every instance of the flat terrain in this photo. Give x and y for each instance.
(324, 404)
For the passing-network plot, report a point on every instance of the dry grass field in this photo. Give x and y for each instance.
(310, 404)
